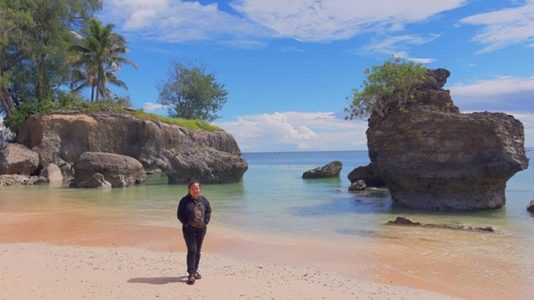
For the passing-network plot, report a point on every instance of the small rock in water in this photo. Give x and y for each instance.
(530, 206)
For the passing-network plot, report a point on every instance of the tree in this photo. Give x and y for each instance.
(98, 57)
(191, 93)
(33, 52)
(390, 85)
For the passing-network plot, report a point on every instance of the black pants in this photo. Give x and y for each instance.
(193, 239)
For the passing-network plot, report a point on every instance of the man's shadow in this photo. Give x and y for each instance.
(158, 280)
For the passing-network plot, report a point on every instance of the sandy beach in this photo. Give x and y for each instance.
(44, 271)
(82, 255)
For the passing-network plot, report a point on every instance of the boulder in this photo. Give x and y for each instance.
(96, 180)
(62, 138)
(17, 159)
(16, 179)
(358, 185)
(330, 170)
(53, 174)
(118, 170)
(369, 174)
(433, 157)
(530, 206)
(205, 164)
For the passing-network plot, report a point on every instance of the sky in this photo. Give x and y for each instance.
(289, 66)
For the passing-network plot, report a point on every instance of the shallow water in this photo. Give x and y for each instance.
(273, 199)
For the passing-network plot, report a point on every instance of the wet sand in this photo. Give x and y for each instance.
(82, 253)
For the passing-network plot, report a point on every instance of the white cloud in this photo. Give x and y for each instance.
(495, 88)
(504, 27)
(151, 107)
(395, 46)
(286, 131)
(321, 20)
(304, 20)
(180, 21)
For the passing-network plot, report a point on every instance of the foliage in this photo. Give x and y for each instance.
(195, 124)
(64, 102)
(97, 58)
(392, 84)
(33, 52)
(191, 93)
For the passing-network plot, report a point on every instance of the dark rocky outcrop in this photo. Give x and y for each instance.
(62, 138)
(16, 179)
(118, 170)
(369, 174)
(530, 206)
(409, 222)
(205, 164)
(330, 170)
(17, 159)
(358, 185)
(434, 157)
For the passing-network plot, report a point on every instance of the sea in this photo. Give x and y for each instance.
(273, 198)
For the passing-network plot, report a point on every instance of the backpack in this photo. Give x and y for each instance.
(197, 216)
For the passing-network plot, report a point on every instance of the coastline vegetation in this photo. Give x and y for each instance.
(51, 51)
(390, 85)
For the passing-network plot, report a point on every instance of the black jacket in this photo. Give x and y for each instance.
(186, 206)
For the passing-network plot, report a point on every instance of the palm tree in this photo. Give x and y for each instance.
(98, 57)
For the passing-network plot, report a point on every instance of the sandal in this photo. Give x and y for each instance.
(197, 275)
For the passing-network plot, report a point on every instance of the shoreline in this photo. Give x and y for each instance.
(394, 264)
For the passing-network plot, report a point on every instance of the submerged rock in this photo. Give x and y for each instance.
(409, 222)
(433, 157)
(330, 170)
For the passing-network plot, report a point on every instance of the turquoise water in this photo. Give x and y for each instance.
(273, 198)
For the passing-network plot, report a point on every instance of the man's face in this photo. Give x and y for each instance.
(194, 190)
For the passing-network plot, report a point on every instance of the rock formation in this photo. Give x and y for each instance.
(408, 222)
(62, 138)
(117, 170)
(369, 174)
(17, 159)
(433, 157)
(330, 170)
(530, 206)
(358, 185)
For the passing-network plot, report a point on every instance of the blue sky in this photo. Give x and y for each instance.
(289, 65)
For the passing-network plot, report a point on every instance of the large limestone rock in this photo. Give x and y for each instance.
(62, 138)
(329, 170)
(204, 164)
(434, 157)
(118, 170)
(17, 159)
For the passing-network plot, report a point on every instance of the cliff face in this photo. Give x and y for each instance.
(62, 138)
(434, 157)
